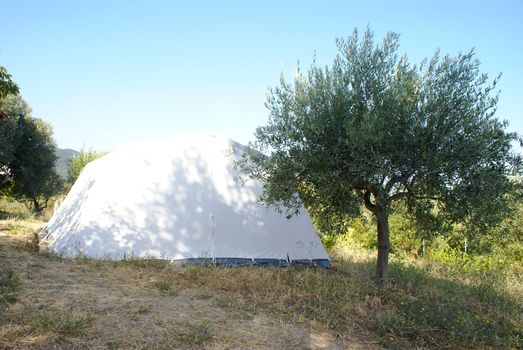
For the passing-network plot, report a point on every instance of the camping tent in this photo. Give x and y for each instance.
(177, 199)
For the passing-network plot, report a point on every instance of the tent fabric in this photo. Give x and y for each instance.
(177, 199)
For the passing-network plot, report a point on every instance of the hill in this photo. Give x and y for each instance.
(62, 161)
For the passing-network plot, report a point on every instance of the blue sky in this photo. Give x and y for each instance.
(104, 73)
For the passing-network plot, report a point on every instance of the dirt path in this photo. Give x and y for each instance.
(66, 304)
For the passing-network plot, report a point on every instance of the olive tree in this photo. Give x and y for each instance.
(34, 177)
(27, 155)
(373, 129)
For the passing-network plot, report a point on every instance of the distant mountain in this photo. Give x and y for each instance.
(62, 161)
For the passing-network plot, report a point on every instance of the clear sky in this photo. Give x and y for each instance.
(104, 73)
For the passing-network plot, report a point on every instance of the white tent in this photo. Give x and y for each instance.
(177, 199)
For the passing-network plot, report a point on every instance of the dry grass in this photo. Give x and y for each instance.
(143, 304)
(85, 304)
(12, 209)
(425, 306)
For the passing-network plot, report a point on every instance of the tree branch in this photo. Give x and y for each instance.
(428, 197)
(368, 203)
(397, 179)
(397, 196)
(400, 195)
(393, 180)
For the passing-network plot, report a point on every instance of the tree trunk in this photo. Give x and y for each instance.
(382, 268)
(36, 206)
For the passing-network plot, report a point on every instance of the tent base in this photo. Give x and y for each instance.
(253, 262)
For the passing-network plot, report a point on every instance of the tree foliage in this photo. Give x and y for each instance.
(78, 162)
(34, 175)
(374, 129)
(11, 106)
(27, 155)
(27, 149)
(7, 86)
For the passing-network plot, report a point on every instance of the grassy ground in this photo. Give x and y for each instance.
(47, 302)
(50, 303)
(425, 306)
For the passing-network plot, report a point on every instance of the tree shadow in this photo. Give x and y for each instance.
(430, 305)
(175, 205)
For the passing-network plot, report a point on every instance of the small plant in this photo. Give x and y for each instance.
(113, 345)
(16, 229)
(32, 244)
(83, 259)
(163, 285)
(225, 302)
(56, 321)
(142, 262)
(9, 288)
(202, 296)
(195, 334)
(51, 255)
(166, 285)
(144, 309)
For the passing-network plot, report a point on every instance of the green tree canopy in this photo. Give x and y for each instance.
(12, 106)
(27, 155)
(7, 86)
(8, 90)
(78, 162)
(34, 175)
(373, 129)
